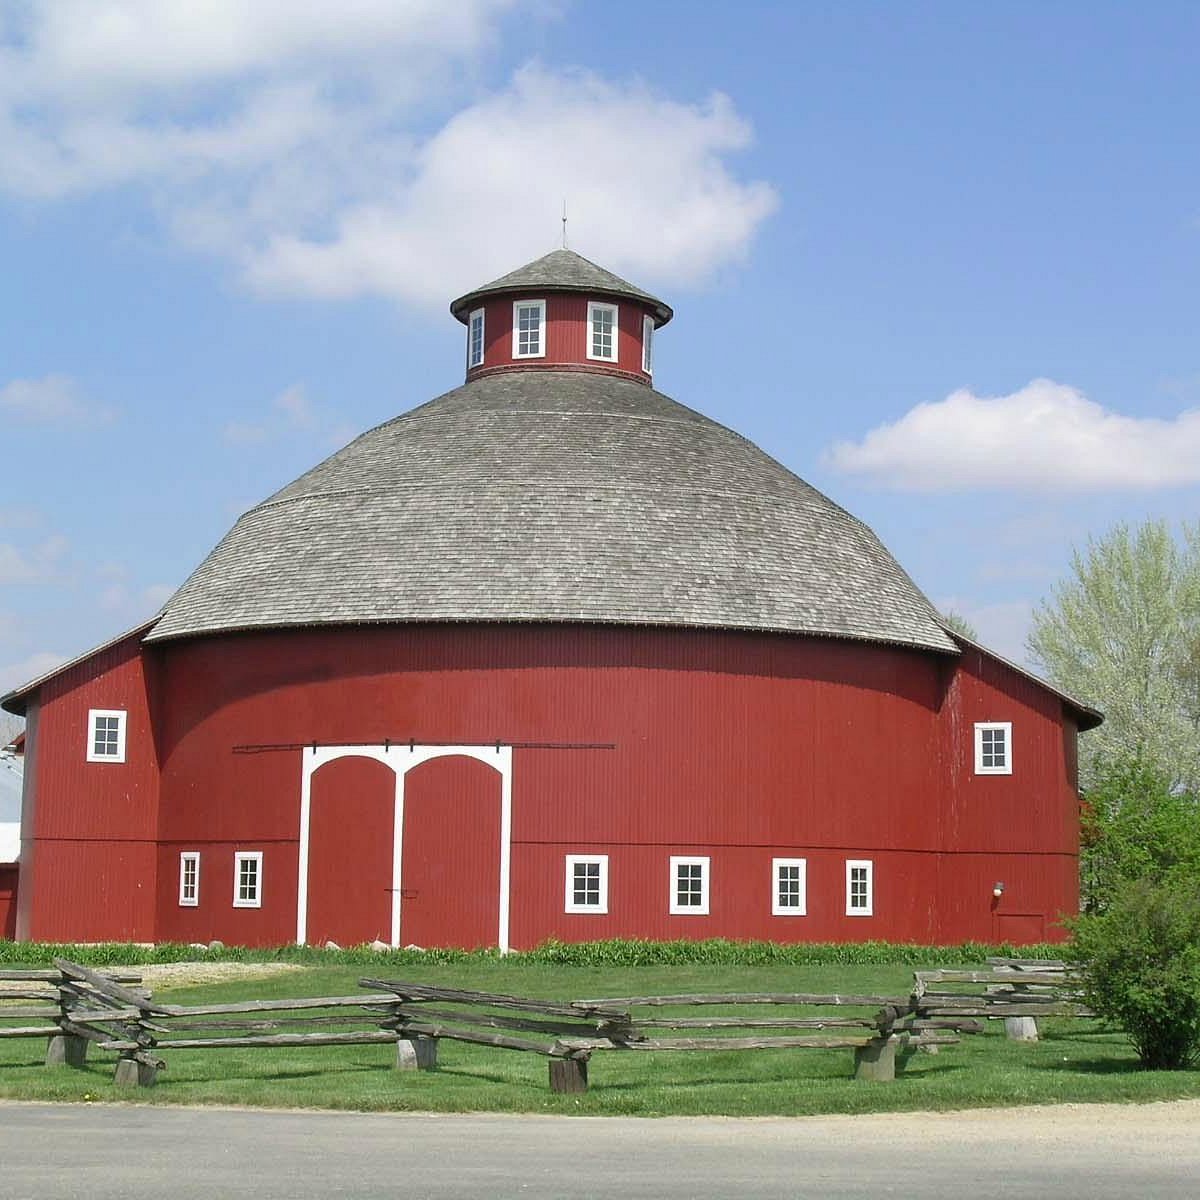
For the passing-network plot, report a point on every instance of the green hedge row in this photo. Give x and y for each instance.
(615, 953)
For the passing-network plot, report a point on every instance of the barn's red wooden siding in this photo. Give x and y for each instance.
(737, 746)
(89, 830)
(8, 901)
(567, 333)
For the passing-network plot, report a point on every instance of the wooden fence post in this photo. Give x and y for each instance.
(568, 1075)
(131, 1072)
(66, 1050)
(416, 1053)
(876, 1061)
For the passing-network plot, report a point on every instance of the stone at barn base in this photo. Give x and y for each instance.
(65, 1050)
(416, 1054)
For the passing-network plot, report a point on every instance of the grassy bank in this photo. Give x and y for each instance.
(1076, 1061)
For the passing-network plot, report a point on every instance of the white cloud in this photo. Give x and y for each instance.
(291, 413)
(1002, 627)
(52, 400)
(39, 565)
(301, 142)
(657, 200)
(1047, 436)
(35, 665)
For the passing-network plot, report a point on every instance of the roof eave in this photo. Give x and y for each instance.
(460, 309)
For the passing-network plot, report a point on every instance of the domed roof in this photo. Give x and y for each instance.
(562, 271)
(554, 496)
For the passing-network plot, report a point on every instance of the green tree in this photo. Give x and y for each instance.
(1122, 632)
(1136, 827)
(959, 624)
(1139, 964)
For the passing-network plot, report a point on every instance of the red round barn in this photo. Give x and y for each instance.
(550, 656)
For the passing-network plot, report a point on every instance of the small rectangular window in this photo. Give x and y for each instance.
(648, 345)
(106, 735)
(689, 886)
(189, 879)
(475, 339)
(789, 887)
(860, 898)
(247, 879)
(529, 329)
(587, 883)
(602, 331)
(993, 748)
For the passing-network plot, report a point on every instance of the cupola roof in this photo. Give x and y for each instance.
(562, 271)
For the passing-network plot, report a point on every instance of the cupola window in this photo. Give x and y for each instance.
(602, 331)
(648, 345)
(529, 329)
(475, 339)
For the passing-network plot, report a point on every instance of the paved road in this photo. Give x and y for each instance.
(102, 1152)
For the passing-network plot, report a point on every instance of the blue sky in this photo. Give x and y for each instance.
(941, 260)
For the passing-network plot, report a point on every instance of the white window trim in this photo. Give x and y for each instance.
(867, 910)
(240, 857)
(648, 345)
(1006, 726)
(516, 332)
(121, 716)
(569, 904)
(482, 315)
(689, 910)
(186, 901)
(593, 306)
(777, 909)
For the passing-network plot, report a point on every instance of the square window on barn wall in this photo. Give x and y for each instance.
(602, 331)
(587, 883)
(247, 879)
(689, 886)
(475, 339)
(789, 890)
(529, 329)
(860, 887)
(189, 879)
(106, 735)
(993, 748)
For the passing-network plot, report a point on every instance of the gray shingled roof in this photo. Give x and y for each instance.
(561, 271)
(554, 496)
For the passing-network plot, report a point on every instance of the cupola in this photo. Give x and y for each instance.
(561, 312)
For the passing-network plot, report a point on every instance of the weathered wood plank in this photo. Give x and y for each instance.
(829, 999)
(20, 1031)
(455, 1034)
(255, 1006)
(747, 1023)
(717, 1043)
(52, 976)
(550, 1008)
(24, 1012)
(948, 976)
(365, 1037)
(494, 1021)
(105, 986)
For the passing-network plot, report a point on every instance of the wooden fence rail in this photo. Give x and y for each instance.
(76, 1007)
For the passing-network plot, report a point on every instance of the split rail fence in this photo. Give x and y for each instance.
(79, 1007)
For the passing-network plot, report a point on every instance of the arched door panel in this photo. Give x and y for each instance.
(351, 822)
(450, 871)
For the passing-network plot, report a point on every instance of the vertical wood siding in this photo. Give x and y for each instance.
(89, 833)
(567, 333)
(8, 901)
(736, 746)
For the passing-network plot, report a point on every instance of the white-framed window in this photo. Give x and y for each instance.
(648, 345)
(189, 879)
(860, 887)
(993, 747)
(689, 886)
(106, 735)
(586, 883)
(529, 329)
(602, 331)
(789, 887)
(475, 338)
(247, 879)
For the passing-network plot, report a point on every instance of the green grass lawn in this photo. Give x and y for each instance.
(1077, 1061)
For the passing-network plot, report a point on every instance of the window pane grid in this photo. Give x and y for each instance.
(603, 332)
(689, 885)
(789, 887)
(529, 329)
(586, 890)
(475, 351)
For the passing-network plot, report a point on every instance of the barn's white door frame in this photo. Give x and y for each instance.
(402, 759)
